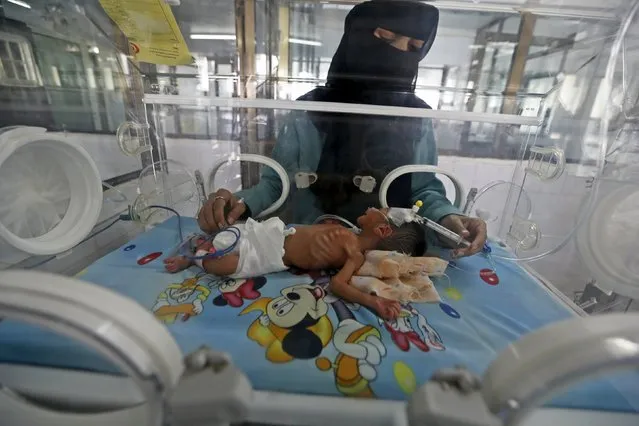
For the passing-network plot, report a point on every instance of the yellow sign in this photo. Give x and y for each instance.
(151, 29)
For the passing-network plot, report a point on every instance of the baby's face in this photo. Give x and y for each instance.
(372, 217)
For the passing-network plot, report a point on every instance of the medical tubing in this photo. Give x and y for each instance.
(179, 217)
(94, 234)
(603, 134)
(219, 253)
(338, 218)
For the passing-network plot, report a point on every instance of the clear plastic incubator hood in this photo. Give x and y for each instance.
(130, 130)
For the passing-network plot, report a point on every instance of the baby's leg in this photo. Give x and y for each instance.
(222, 266)
(175, 264)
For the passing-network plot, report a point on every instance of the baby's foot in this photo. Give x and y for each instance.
(176, 264)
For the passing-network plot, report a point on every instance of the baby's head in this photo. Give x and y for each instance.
(409, 238)
(375, 221)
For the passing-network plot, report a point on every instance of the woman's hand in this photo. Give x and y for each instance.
(211, 216)
(471, 229)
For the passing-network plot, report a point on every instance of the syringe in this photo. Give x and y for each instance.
(445, 232)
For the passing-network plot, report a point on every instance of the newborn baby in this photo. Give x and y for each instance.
(266, 247)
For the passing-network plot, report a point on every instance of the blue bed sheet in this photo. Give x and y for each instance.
(287, 334)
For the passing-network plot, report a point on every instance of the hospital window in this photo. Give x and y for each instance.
(16, 65)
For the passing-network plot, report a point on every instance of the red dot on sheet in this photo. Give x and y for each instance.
(149, 258)
(489, 276)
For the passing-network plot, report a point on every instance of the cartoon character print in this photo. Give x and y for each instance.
(403, 333)
(361, 352)
(360, 347)
(183, 300)
(233, 292)
(296, 325)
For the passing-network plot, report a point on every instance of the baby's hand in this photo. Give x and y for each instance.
(176, 263)
(387, 309)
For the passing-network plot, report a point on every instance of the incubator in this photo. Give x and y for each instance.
(119, 120)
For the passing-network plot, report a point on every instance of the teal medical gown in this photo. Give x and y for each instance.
(299, 148)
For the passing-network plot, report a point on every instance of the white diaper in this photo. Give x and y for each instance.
(261, 247)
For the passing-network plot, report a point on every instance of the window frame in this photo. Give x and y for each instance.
(27, 60)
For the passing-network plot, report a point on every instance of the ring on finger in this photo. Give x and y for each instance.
(219, 197)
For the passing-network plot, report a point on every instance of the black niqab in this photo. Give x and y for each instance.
(368, 70)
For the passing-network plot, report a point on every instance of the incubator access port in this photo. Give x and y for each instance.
(50, 192)
(133, 138)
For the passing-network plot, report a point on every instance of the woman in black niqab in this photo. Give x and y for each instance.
(368, 69)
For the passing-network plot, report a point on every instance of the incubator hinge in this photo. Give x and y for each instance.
(204, 358)
(212, 391)
(594, 299)
(451, 398)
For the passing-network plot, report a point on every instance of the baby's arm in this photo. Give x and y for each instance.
(340, 286)
(179, 263)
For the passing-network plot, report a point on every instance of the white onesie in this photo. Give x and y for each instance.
(260, 247)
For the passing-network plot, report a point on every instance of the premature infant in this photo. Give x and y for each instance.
(266, 247)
